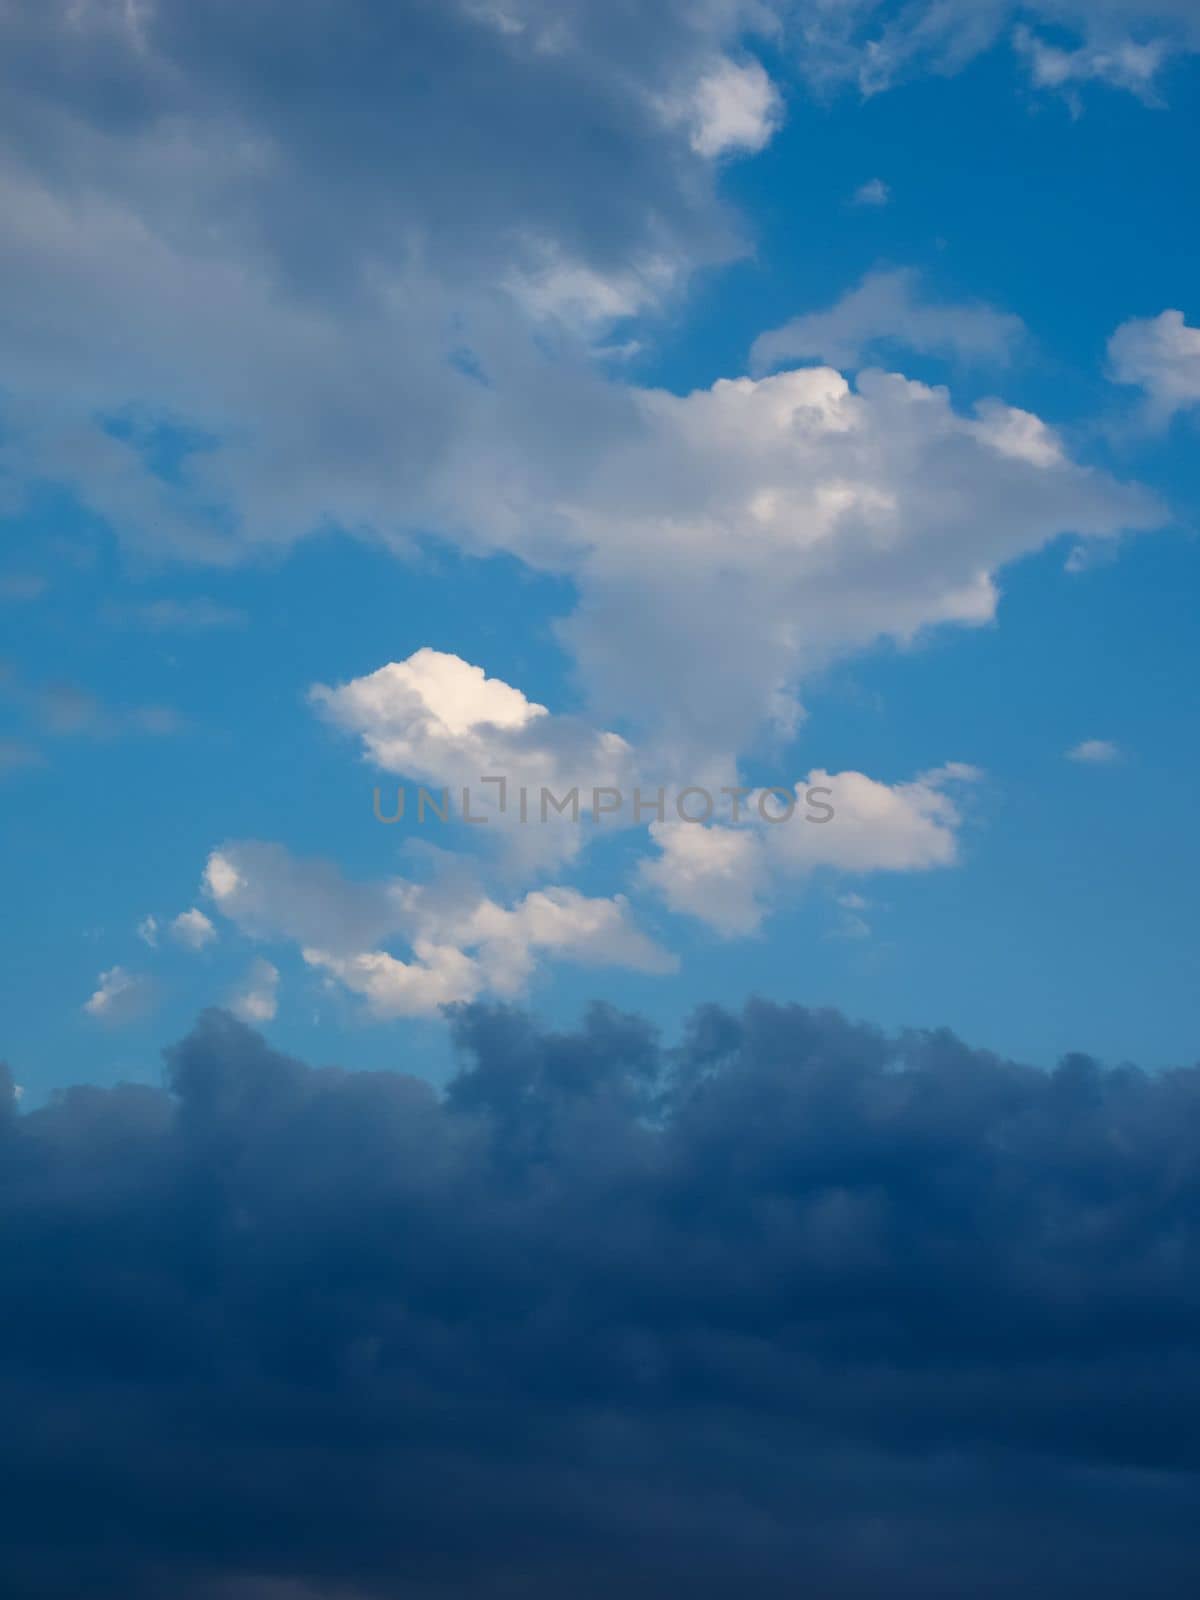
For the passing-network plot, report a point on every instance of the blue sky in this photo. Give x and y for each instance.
(303, 384)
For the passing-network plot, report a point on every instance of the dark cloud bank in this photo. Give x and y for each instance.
(792, 1309)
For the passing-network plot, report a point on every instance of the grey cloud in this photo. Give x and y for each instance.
(793, 1303)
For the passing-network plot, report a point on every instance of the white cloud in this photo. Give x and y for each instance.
(1161, 356)
(147, 931)
(753, 531)
(256, 999)
(729, 877)
(439, 720)
(393, 988)
(886, 309)
(1123, 63)
(193, 929)
(716, 874)
(872, 193)
(462, 942)
(735, 107)
(120, 996)
(1094, 752)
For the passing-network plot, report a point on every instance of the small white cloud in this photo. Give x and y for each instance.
(734, 108)
(147, 931)
(872, 193)
(120, 996)
(1094, 752)
(257, 998)
(193, 929)
(1161, 356)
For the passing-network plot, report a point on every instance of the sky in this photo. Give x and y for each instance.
(768, 428)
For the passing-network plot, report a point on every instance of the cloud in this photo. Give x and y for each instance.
(193, 929)
(460, 943)
(1094, 752)
(844, 822)
(1161, 356)
(439, 720)
(120, 996)
(1123, 43)
(755, 530)
(361, 356)
(735, 107)
(67, 710)
(183, 616)
(147, 931)
(1123, 63)
(872, 193)
(886, 310)
(788, 1296)
(257, 998)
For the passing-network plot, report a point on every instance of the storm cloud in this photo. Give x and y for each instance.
(792, 1306)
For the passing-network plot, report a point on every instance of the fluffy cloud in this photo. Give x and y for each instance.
(360, 356)
(485, 948)
(843, 821)
(1161, 356)
(605, 1318)
(438, 718)
(193, 929)
(734, 107)
(257, 997)
(754, 530)
(120, 996)
(461, 943)
(886, 309)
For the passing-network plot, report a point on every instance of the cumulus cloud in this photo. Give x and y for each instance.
(1161, 356)
(789, 1296)
(193, 929)
(754, 530)
(441, 719)
(120, 996)
(460, 943)
(844, 821)
(357, 355)
(886, 309)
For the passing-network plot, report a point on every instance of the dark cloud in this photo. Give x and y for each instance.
(794, 1307)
